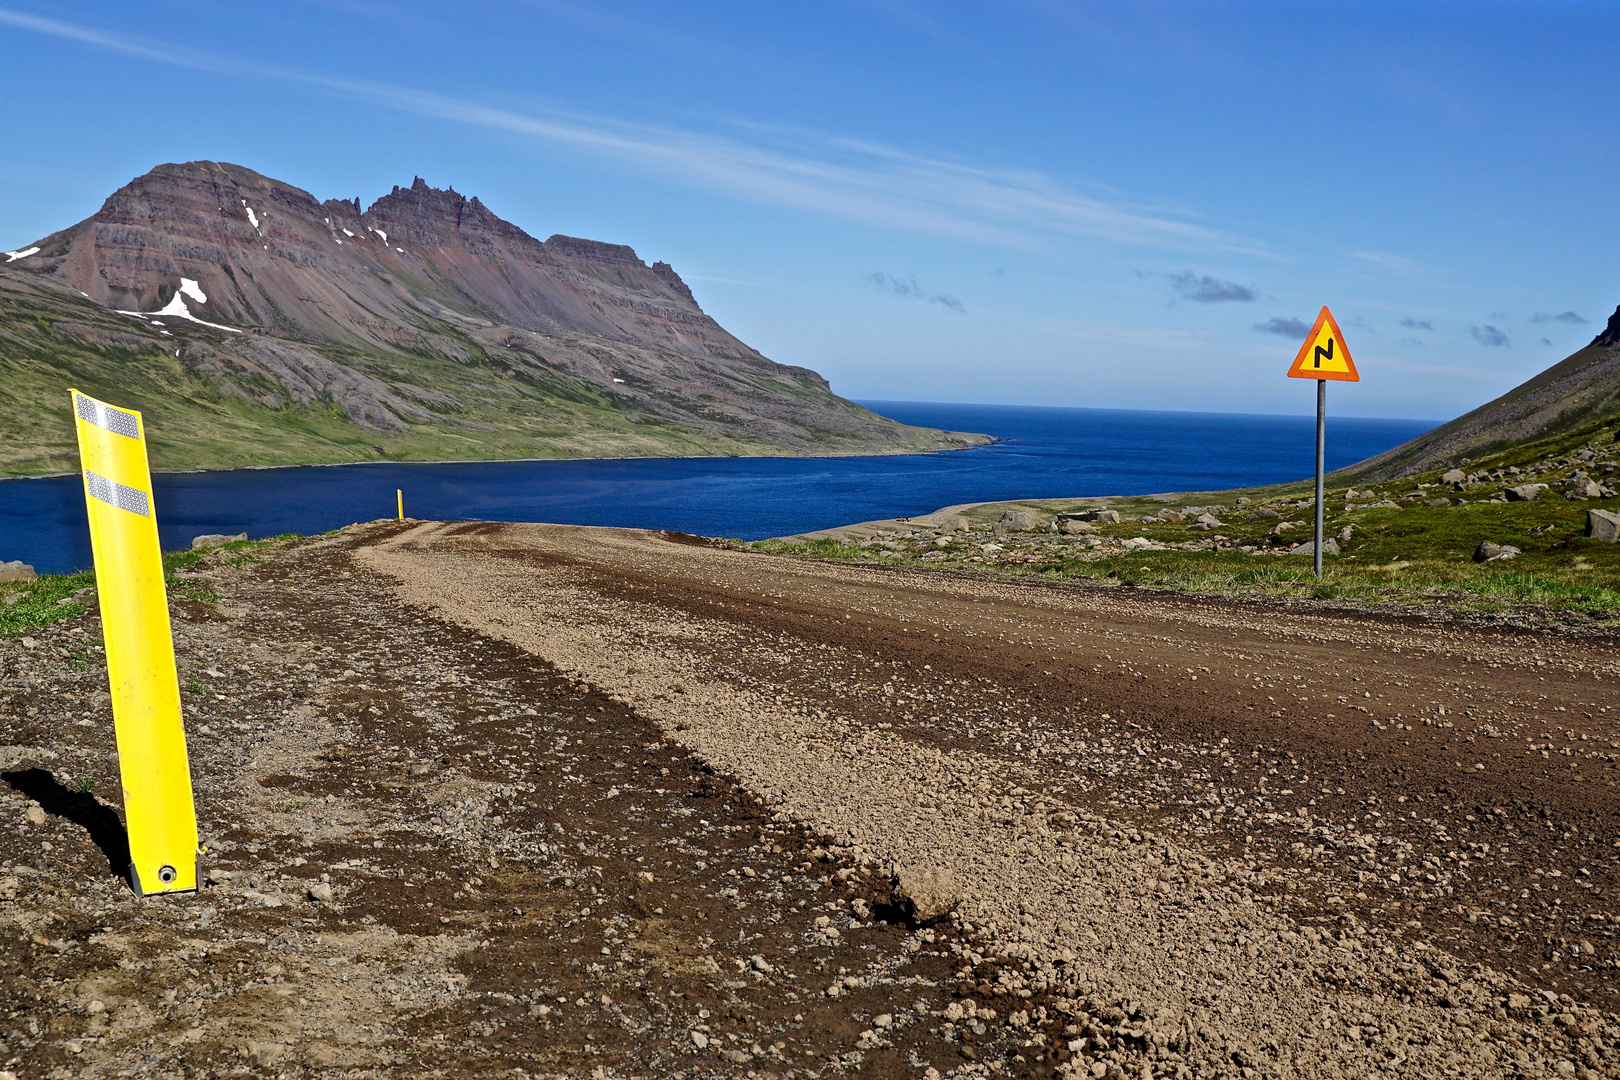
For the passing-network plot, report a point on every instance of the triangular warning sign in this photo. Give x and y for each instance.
(1324, 354)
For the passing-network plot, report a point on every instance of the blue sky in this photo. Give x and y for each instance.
(1113, 205)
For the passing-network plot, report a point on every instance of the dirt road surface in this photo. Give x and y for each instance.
(614, 803)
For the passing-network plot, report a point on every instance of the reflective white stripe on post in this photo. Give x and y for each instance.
(107, 417)
(115, 494)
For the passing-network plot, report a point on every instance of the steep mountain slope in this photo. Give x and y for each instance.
(1582, 389)
(288, 329)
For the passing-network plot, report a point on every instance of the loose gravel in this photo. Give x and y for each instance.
(525, 800)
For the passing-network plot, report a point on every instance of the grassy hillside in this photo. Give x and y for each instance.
(209, 408)
(1580, 391)
(1409, 543)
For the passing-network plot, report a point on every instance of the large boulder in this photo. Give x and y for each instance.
(1489, 552)
(1074, 527)
(1454, 476)
(1265, 513)
(1329, 547)
(1110, 517)
(1584, 489)
(214, 540)
(1017, 521)
(925, 894)
(1603, 525)
(17, 570)
(1525, 492)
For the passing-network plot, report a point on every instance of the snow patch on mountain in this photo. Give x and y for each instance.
(176, 309)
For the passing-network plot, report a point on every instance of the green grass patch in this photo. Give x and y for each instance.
(818, 549)
(50, 598)
(1411, 554)
(39, 603)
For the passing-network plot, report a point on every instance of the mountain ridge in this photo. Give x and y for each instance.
(1581, 389)
(421, 327)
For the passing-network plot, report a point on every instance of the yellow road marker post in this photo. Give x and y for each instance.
(1323, 357)
(400, 495)
(159, 812)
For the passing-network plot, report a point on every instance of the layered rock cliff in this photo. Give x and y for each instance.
(421, 326)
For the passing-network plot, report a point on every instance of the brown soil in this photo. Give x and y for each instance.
(1184, 837)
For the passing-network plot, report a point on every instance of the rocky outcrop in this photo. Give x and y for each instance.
(427, 309)
(263, 254)
(1611, 333)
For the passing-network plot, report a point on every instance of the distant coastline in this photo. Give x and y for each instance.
(1029, 452)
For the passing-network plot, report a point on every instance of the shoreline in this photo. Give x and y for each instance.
(990, 440)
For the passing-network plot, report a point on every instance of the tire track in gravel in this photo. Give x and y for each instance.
(1249, 827)
(429, 855)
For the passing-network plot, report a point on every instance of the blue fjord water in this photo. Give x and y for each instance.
(1043, 453)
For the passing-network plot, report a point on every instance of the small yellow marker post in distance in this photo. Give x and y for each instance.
(159, 812)
(400, 495)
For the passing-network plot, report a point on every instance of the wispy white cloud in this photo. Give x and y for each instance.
(730, 281)
(840, 179)
(1399, 265)
(1454, 371)
(1147, 336)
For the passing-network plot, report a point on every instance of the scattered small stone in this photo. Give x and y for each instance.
(320, 892)
(35, 814)
(267, 1053)
(16, 570)
(700, 1040)
(213, 540)
(927, 894)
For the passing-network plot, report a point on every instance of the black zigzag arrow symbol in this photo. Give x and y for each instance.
(1324, 354)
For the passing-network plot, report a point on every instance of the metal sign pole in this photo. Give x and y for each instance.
(1321, 447)
(1324, 356)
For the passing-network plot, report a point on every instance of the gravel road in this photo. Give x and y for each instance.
(1302, 844)
(529, 800)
